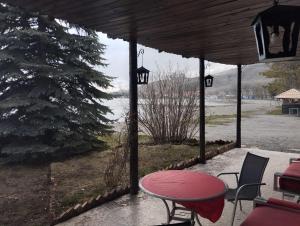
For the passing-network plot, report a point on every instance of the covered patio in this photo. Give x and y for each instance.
(144, 210)
(218, 31)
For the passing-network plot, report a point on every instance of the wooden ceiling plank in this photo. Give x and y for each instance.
(220, 29)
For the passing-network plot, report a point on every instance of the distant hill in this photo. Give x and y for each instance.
(225, 82)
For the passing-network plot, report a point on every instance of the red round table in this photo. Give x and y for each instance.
(198, 192)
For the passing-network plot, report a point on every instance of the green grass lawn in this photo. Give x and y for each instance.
(214, 120)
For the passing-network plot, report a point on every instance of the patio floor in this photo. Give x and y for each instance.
(144, 210)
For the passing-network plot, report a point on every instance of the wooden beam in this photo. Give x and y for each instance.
(239, 106)
(133, 118)
(202, 111)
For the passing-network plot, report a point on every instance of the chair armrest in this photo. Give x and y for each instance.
(276, 203)
(276, 185)
(231, 173)
(228, 173)
(294, 160)
(246, 186)
(259, 201)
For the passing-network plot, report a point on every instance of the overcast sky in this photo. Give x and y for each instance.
(116, 55)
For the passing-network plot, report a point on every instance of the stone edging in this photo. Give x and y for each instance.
(92, 203)
(120, 191)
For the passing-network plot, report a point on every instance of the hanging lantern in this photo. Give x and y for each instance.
(276, 31)
(208, 80)
(142, 73)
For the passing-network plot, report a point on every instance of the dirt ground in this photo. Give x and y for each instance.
(24, 195)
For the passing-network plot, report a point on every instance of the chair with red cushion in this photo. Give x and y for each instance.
(289, 180)
(273, 212)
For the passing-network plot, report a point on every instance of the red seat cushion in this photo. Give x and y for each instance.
(268, 216)
(283, 203)
(288, 184)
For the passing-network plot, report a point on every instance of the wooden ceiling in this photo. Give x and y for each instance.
(218, 30)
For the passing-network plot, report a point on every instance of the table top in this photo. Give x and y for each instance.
(183, 185)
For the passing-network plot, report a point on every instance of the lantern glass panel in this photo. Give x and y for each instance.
(280, 41)
(259, 37)
(208, 81)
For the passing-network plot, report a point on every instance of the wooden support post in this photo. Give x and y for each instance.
(202, 111)
(239, 106)
(133, 118)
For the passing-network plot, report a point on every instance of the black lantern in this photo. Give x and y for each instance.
(208, 80)
(142, 73)
(276, 31)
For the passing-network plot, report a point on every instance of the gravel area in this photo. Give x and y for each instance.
(270, 132)
(254, 106)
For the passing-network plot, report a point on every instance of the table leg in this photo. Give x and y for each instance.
(192, 218)
(173, 209)
(168, 211)
(197, 219)
(171, 214)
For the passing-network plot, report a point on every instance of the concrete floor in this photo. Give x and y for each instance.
(144, 210)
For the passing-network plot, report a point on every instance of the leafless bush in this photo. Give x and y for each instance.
(116, 171)
(168, 107)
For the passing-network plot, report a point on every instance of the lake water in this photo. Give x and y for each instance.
(120, 106)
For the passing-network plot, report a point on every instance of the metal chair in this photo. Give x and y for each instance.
(188, 223)
(249, 181)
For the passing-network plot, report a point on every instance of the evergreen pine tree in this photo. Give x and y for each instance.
(50, 90)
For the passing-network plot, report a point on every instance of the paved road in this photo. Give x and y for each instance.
(270, 132)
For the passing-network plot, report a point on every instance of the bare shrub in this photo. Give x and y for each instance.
(168, 107)
(116, 171)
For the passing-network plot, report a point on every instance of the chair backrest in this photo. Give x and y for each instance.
(252, 172)
(188, 223)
